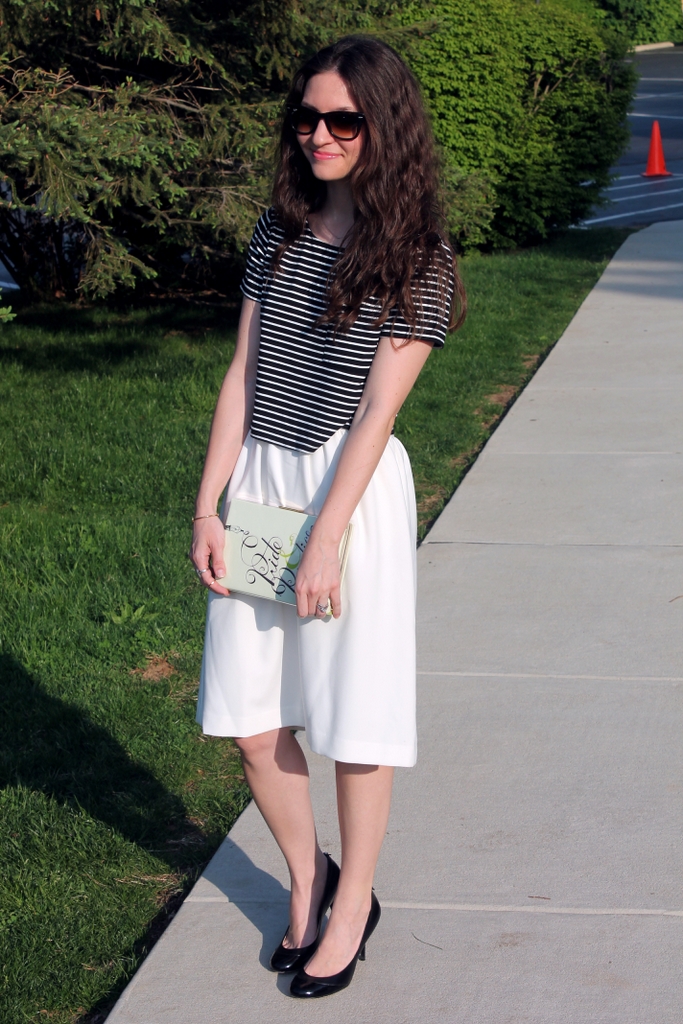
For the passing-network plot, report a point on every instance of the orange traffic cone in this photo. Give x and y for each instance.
(656, 165)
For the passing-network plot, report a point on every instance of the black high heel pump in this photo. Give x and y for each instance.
(284, 959)
(306, 987)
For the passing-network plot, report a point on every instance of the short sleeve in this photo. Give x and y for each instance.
(258, 258)
(433, 305)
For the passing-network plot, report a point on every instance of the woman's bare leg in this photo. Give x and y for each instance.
(363, 799)
(276, 770)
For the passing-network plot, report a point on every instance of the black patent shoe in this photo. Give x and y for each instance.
(304, 986)
(284, 959)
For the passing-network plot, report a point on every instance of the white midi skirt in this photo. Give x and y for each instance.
(349, 682)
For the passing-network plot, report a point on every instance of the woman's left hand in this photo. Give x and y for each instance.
(318, 587)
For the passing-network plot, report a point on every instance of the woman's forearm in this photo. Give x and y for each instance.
(368, 437)
(232, 417)
(393, 373)
(228, 430)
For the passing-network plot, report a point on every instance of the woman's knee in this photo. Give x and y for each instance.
(260, 747)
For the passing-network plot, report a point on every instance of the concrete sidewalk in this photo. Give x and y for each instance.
(533, 865)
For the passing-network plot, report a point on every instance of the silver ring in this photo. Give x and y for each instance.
(322, 608)
(200, 571)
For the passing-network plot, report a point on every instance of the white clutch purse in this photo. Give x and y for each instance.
(264, 545)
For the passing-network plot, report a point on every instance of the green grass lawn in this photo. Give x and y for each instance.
(112, 800)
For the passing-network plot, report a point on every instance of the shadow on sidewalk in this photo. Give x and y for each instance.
(257, 895)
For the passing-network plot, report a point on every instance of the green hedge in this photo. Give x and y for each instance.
(135, 137)
(645, 21)
(531, 97)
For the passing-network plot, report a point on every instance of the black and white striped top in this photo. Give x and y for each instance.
(308, 381)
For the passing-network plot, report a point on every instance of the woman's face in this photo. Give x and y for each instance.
(330, 159)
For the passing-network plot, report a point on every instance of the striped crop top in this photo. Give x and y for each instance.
(309, 382)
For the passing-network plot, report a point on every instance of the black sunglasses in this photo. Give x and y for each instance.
(344, 125)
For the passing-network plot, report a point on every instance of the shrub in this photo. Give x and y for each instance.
(136, 134)
(125, 145)
(135, 137)
(6, 314)
(531, 96)
(645, 21)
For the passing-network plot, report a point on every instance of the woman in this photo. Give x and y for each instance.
(349, 284)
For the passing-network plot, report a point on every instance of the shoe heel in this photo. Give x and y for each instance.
(361, 955)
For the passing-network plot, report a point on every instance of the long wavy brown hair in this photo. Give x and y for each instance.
(398, 235)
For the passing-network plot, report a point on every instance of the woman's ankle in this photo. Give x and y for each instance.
(306, 877)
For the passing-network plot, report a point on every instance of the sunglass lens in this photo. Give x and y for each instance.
(304, 122)
(344, 126)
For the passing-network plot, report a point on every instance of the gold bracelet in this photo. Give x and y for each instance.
(214, 515)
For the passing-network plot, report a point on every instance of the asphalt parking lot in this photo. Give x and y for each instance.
(633, 199)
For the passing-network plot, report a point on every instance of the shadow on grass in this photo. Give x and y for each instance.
(96, 358)
(592, 244)
(55, 748)
(65, 338)
(83, 320)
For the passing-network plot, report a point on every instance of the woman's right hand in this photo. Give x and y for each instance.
(206, 553)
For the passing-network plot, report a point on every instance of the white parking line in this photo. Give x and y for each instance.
(659, 117)
(660, 79)
(646, 195)
(632, 213)
(659, 95)
(642, 184)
